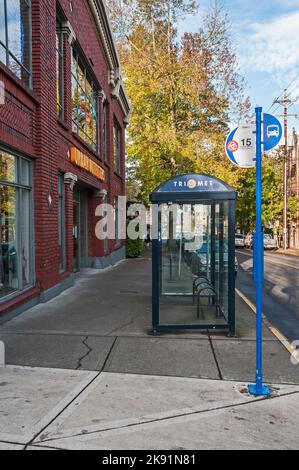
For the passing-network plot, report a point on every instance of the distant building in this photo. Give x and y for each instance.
(62, 144)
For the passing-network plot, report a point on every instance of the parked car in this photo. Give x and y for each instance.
(239, 240)
(199, 259)
(269, 242)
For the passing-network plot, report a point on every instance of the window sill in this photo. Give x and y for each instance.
(62, 123)
(15, 294)
(17, 81)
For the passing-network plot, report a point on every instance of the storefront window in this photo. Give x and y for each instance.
(84, 103)
(15, 227)
(25, 172)
(9, 253)
(8, 167)
(15, 37)
(25, 237)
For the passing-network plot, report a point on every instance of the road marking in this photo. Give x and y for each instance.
(282, 263)
(2, 354)
(268, 260)
(281, 338)
(246, 300)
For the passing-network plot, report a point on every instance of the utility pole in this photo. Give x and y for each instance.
(285, 102)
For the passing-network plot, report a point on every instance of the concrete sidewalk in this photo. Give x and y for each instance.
(84, 372)
(289, 251)
(60, 409)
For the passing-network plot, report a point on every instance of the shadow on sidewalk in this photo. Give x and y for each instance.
(104, 323)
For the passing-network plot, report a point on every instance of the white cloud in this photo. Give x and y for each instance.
(272, 46)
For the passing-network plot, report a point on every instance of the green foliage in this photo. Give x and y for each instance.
(272, 195)
(180, 89)
(133, 248)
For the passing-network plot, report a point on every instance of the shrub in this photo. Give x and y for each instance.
(133, 248)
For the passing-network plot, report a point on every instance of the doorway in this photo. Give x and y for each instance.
(80, 229)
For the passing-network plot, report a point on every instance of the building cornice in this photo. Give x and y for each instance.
(101, 17)
(67, 29)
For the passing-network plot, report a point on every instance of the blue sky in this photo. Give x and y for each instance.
(265, 35)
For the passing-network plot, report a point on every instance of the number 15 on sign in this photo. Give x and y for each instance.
(246, 142)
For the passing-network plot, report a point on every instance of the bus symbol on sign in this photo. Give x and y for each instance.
(272, 131)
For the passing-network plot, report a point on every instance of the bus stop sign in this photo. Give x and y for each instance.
(240, 146)
(272, 132)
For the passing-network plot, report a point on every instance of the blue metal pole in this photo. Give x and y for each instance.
(155, 268)
(259, 389)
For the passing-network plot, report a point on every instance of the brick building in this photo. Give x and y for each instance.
(62, 145)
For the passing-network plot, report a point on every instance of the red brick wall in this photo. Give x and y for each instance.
(17, 114)
(29, 124)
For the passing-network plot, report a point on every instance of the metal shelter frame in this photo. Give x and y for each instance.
(193, 189)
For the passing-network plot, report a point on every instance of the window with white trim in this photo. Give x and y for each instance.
(16, 224)
(84, 103)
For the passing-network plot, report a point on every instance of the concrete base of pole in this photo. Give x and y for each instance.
(259, 391)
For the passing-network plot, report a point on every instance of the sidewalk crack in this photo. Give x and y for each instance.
(215, 357)
(40, 432)
(121, 327)
(170, 418)
(108, 355)
(89, 350)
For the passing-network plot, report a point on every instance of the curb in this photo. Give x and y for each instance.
(2, 354)
(278, 335)
(288, 253)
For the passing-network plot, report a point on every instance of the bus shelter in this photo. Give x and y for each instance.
(193, 254)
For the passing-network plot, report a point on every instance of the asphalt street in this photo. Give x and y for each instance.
(280, 292)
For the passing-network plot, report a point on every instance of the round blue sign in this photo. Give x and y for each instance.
(272, 132)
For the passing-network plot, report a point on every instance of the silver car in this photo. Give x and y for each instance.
(239, 241)
(269, 242)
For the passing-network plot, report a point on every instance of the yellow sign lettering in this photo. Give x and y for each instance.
(83, 161)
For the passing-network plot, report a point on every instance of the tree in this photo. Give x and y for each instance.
(272, 202)
(180, 89)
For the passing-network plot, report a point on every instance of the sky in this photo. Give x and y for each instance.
(265, 36)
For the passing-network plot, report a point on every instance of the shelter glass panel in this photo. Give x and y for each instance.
(194, 263)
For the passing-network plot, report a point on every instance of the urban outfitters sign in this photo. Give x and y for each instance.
(81, 160)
